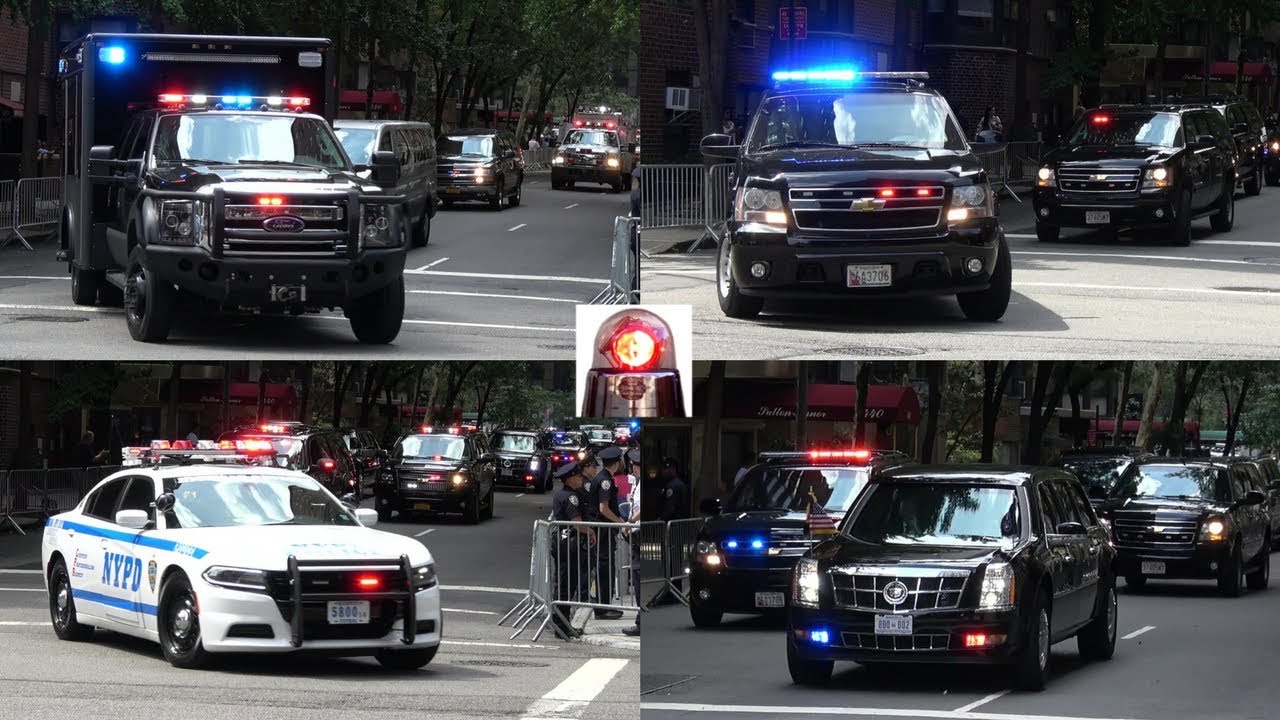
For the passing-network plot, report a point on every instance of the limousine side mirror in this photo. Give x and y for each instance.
(1071, 528)
(1253, 497)
(386, 168)
(1240, 128)
(710, 506)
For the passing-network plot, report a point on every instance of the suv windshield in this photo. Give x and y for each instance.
(436, 447)
(358, 142)
(774, 488)
(909, 514)
(591, 137)
(515, 443)
(568, 439)
(1127, 128)
(1175, 481)
(601, 436)
(477, 145)
(1097, 474)
(231, 138)
(251, 501)
(919, 120)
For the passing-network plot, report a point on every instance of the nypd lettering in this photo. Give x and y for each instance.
(122, 571)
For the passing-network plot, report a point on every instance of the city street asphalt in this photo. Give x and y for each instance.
(480, 671)
(1083, 297)
(1183, 652)
(499, 285)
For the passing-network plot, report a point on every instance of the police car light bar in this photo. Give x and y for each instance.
(210, 58)
(292, 103)
(843, 74)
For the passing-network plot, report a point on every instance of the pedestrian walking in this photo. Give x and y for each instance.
(748, 461)
(990, 128)
(603, 494)
(570, 547)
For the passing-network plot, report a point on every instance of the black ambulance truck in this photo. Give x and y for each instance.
(207, 167)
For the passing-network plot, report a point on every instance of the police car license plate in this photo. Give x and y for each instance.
(893, 624)
(1097, 217)
(288, 293)
(770, 600)
(1153, 568)
(869, 275)
(349, 612)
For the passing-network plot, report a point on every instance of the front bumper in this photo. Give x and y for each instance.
(937, 636)
(814, 267)
(521, 476)
(733, 590)
(1198, 561)
(451, 190)
(248, 281)
(456, 499)
(1145, 211)
(227, 615)
(593, 173)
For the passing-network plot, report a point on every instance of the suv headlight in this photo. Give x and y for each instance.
(612, 161)
(1215, 528)
(971, 201)
(458, 479)
(705, 552)
(1046, 177)
(236, 578)
(997, 587)
(1275, 146)
(533, 464)
(1156, 177)
(804, 587)
(378, 226)
(183, 222)
(557, 160)
(424, 576)
(760, 206)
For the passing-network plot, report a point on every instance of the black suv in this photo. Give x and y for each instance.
(858, 185)
(485, 165)
(967, 564)
(1149, 168)
(319, 452)
(367, 454)
(1191, 518)
(524, 459)
(742, 558)
(1098, 469)
(1270, 471)
(567, 446)
(436, 473)
(1271, 151)
(1250, 135)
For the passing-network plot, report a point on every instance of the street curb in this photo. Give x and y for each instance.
(612, 641)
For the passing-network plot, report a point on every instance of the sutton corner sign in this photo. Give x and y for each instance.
(776, 411)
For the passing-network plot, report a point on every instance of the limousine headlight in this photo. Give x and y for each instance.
(997, 587)
(805, 585)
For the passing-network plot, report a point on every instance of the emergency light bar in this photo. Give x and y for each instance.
(211, 58)
(292, 103)
(634, 372)
(842, 75)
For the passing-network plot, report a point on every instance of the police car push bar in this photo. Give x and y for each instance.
(634, 369)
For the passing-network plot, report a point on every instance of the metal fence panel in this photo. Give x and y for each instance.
(38, 208)
(8, 213)
(624, 270)
(538, 158)
(672, 196)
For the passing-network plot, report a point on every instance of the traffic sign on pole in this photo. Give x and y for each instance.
(801, 29)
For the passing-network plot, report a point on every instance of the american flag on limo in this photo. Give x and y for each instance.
(819, 522)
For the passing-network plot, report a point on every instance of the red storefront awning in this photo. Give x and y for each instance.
(383, 100)
(277, 395)
(886, 404)
(1224, 71)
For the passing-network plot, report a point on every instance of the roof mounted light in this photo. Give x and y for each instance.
(112, 55)
(841, 74)
(633, 372)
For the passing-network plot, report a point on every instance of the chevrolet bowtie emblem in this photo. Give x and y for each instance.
(867, 204)
(1098, 178)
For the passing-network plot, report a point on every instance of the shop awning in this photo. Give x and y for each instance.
(1103, 426)
(886, 404)
(242, 393)
(383, 100)
(10, 108)
(1224, 71)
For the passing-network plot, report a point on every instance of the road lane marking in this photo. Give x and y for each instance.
(469, 643)
(424, 532)
(850, 711)
(517, 227)
(14, 589)
(21, 572)
(449, 323)
(1139, 631)
(497, 276)
(482, 588)
(983, 701)
(1258, 243)
(469, 612)
(495, 295)
(1149, 288)
(35, 277)
(432, 264)
(570, 207)
(1021, 236)
(14, 623)
(77, 308)
(571, 697)
(519, 495)
(1179, 258)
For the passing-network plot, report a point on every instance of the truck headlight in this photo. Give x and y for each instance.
(183, 222)
(1155, 177)
(705, 552)
(758, 205)
(997, 587)
(805, 583)
(424, 576)
(1046, 177)
(971, 201)
(236, 578)
(612, 161)
(557, 160)
(378, 226)
(1215, 529)
(458, 479)
(409, 485)
(533, 464)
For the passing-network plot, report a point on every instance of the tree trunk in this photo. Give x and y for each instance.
(1036, 422)
(1183, 392)
(802, 406)
(1143, 440)
(860, 411)
(171, 411)
(1233, 413)
(711, 24)
(373, 62)
(1122, 402)
(711, 426)
(935, 373)
(23, 457)
(305, 375)
(995, 379)
(226, 397)
(37, 35)
(417, 391)
(263, 379)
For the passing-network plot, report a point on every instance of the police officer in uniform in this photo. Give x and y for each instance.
(569, 546)
(675, 493)
(603, 494)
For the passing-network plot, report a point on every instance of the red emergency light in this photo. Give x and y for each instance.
(1101, 119)
(369, 582)
(860, 455)
(274, 201)
(180, 445)
(254, 445)
(171, 98)
(159, 444)
(578, 123)
(972, 640)
(634, 346)
(924, 192)
(327, 464)
(887, 193)
(610, 125)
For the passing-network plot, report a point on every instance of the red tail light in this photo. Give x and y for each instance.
(327, 464)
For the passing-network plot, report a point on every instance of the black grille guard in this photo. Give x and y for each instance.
(407, 593)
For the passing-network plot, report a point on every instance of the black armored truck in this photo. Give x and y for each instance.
(207, 167)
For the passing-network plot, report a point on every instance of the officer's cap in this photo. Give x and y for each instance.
(634, 455)
(610, 454)
(567, 471)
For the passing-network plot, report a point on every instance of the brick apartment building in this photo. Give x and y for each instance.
(977, 52)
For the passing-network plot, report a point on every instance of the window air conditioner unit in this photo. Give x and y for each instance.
(677, 98)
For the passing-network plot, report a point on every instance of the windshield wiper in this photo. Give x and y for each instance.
(903, 146)
(199, 161)
(290, 163)
(799, 143)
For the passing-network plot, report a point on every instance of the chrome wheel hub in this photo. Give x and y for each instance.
(182, 622)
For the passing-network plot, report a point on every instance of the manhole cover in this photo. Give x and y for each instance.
(653, 682)
(870, 351)
(52, 318)
(500, 663)
(1250, 289)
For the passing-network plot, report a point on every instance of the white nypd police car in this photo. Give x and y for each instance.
(217, 558)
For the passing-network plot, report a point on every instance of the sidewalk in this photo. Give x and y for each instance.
(607, 633)
(21, 552)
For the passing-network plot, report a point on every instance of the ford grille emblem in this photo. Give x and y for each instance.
(283, 223)
(895, 592)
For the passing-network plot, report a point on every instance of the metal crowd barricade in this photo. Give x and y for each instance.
(652, 537)
(8, 213)
(624, 272)
(678, 544)
(672, 196)
(534, 605)
(538, 158)
(38, 204)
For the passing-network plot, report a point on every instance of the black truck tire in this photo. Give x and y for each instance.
(732, 302)
(85, 285)
(514, 200)
(990, 305)
(148, 301)
(1225, 218)
(376, 317)
(422, 231)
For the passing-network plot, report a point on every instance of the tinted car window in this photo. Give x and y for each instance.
(1097, 473)
(1217, 125)
(767, 487)
(838, 118)
(1071, 496)
(103, 504)
(476, 145)
(913, 514)
(1123, 128)
(141, 495)
(384, 141)
(1051, 515)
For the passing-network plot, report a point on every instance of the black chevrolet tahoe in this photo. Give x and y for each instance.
(858, 185)
(956, 564)
(436, 473)
(1192, 518)
(1148, 168)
